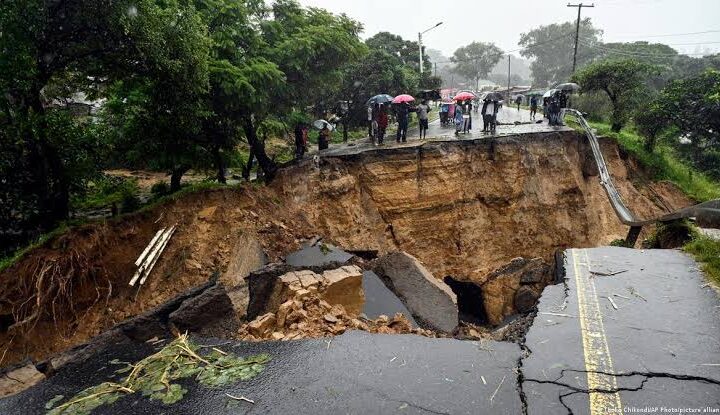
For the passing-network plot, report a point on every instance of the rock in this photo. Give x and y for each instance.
(431, 302)
(535, 271)
(330, 318)
(19, 379)
(247, 256)
(297, 316)
(502, 285)
(282, 313)
(277, 335)
(207, 307)
(261, 324)
(525, 299)
(338, 310)
(344, 286)
(192, 264)
(207, 213)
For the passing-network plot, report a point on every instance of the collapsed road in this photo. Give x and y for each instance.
(656, 344)
(530, 194)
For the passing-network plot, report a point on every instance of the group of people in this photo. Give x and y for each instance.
(458, 114)
(378, 120)
(553, 107)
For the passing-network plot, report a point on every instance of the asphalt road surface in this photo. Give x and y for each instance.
(436, 132)
(655, 345)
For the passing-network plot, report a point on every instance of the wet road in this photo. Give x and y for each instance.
(656, 344)
(647, 336)
(507, 117)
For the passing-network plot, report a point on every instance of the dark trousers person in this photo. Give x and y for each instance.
(402, 129)
(424, 125)
(488, 121)
(533, 111)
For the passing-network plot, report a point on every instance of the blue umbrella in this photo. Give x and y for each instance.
(380, 99)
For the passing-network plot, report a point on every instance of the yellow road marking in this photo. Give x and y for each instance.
(595, 345)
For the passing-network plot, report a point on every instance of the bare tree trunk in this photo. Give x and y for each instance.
(267, 165)
(220, 165)
(176, 177)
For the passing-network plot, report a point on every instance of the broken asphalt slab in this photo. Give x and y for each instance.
(659, 347)
(356, 372)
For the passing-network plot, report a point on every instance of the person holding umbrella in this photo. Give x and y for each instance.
(402, 112)
(489, 112)
(459, 119)
(382, 123)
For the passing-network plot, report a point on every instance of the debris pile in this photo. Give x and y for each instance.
(307, 315)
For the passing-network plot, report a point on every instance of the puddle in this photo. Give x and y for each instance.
(316, 255)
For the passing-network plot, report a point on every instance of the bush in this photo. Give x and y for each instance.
(160, 188)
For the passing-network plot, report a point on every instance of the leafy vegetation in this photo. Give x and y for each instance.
(690, 109)
(663, 164)
(476, 60)
(622, 80)
(706, 251)
(155, 376)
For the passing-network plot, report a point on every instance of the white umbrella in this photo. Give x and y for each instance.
(320, 124)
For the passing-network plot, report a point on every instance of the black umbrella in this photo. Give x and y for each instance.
(431, 94)
(380, 99)
(568, 87)
(493, 96)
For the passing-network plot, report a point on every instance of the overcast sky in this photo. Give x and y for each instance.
(502, 21)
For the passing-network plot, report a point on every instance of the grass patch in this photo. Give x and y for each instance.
(662, 164)
(6, 262)
(106, 191)
(706, 251)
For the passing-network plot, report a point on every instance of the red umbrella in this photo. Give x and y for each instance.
(403, 98)
(464, 96)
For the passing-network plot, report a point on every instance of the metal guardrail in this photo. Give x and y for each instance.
(709, 210)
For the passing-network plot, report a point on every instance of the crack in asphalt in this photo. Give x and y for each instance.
(645, 375)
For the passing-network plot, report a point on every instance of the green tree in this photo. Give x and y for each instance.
(50, 48)
(476, 60)
(622, 80)
(692, 106)
(551, 47)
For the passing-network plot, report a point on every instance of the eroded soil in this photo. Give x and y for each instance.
(463, 209)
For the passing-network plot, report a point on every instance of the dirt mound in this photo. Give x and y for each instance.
(463, 209)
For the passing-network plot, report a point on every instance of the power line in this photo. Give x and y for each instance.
(635, 54)
(676, 34)
(511, 51)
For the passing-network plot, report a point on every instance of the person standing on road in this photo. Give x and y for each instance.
(533, 107)
(459, 119)
(300, 140)
(382, 123)
(467, 116)
(324, 138)
(370, 120)
(489, 112)
(422, 111)
(403, 112)
(518, 101)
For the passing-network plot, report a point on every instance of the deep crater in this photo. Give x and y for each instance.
(485, 216)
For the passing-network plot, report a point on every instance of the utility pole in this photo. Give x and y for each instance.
(508, 98)
(577, 30)
(420, 45)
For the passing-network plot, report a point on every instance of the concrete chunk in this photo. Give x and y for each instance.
(431, 302)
